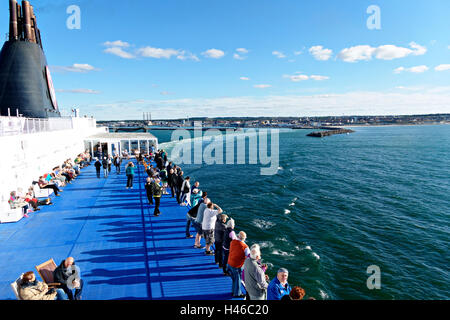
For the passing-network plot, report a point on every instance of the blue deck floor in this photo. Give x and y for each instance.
(123, 251)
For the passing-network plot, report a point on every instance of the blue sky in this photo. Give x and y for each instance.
(178, 58)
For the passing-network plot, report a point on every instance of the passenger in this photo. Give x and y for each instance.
(238, 252)
(172, 181)
(130, 174)
(69, 278)
(196, 185)
(164, 178)
(34, 203)
(31, 289)
(98, 166)
(149, 190)
(109, 164)
(197, 223)
(296, 293)
(208, 224)
(117, 163)
(105, 167)
(44, 185)
(58, 176)
(186, 192)
(255, 278)
(279, 286)
(180, 182)
(157, 193)
(219, 230)
(228, 236)
(16, 202)
(196, 196)
(191, 215)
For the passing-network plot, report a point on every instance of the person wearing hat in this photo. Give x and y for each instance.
(279, 286)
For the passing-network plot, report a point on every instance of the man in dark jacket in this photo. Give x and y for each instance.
(98, 166)
(105, 167)
(172, 181)
(68, 275)
(219, 232)
(180, 180)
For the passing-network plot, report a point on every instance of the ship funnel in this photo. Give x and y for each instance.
(13, 28)
(25, 80)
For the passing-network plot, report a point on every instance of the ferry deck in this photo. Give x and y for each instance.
(123, 251)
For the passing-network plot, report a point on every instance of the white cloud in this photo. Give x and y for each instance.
(242, 50)
(384, 52)
(244, 78)
(76, 67)
(302, 77)
(296, 77)
(319, 78)
(158, 53)
(442, 67)
(83, 91)
(262, 86)
(117, 51)
(238, 57)
(297, 53)
(118, 43)
(416, 69)
(279, 54)
(356, 53)
(320, 53)
(183, 55)
(432, 100)
(214, 53)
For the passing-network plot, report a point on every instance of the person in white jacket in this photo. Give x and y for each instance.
(186, 192)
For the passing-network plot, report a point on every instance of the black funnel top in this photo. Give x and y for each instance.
(25, 81)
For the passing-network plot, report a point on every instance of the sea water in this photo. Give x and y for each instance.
(337, 205)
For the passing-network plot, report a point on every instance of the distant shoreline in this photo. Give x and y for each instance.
(392, 125)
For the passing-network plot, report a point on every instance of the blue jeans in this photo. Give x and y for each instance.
(236, 277)
(61, 295)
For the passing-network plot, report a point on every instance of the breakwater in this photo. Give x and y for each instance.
(321, 134)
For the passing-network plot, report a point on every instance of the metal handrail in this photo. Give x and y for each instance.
(10, 125)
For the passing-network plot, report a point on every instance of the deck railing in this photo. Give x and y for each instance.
(20, 125)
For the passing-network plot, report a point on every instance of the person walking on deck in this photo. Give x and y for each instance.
(130, 174)
(109, 164)
(117, 163)
(98, 166)
(105, 167)
(157, 193)
(149, 190)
